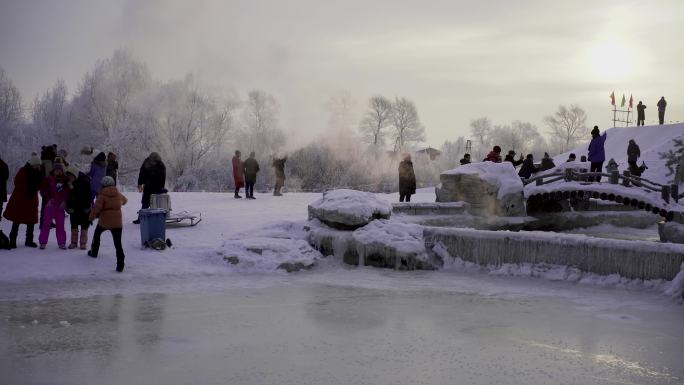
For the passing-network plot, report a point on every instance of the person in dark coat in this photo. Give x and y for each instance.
(22, 208)
(112, 167)
(250, 168)
(4, 176)
(547, 162)
(528, 168)
(465, 160)
(597, 153)
(571, 158)
(79, 206)
(633, 153)
(641, 113)
(98, 170)
(407, 179)
(661, 109)
(510, 157)
(238, 174)
(151, 179)
(279, 168)
(494, 155)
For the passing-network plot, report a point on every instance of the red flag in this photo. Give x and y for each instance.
(612, 98)
(631, 101)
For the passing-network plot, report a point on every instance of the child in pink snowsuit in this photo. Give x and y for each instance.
(55, 192)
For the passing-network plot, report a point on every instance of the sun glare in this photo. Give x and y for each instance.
(611, 60)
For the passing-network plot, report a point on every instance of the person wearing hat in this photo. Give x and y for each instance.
(78, 206)
(465, 159)
(641, 113)
(22, 208)
(511, 158)
(107, 210)
(250, 168)
(547, 162)
(56, 193)
(494, 155)
(528, 168)
(571, 158)
(98, 170)
(597, 153)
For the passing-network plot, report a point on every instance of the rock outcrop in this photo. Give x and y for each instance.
(349, 209)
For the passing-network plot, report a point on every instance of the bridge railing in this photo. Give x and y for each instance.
(666, 192)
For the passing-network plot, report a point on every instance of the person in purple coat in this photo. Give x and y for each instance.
(597, 153)
(98, 170)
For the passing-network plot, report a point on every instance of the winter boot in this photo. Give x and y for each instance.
(42, 247)
(84, 239)
(12, 241)
(120, 261)
(29, 241)
(91, 254)
(74, 239)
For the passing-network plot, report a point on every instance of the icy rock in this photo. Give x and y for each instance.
(671, 232)
(269, 254)
(331, 241)
(490, 188)
(349, 209)
(382, 243)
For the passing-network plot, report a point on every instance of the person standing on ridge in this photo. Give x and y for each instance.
(250, 168)
(238, 174)
(661, 110)
(597, 153)
(641, 113)
(547, 162)
(465, 160)
(407, 179)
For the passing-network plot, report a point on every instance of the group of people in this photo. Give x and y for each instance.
(596, 157)
(641, 111)
(64, 189)
(245, 174)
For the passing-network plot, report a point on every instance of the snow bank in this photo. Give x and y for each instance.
(269, 254)
(349, 209)
(651, 140)
(503, 176)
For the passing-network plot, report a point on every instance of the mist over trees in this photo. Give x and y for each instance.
(119, 106)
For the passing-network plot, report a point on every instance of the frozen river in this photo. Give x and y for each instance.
(182, 316)
(306, 331)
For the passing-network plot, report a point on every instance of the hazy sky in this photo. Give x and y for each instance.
(458, 60)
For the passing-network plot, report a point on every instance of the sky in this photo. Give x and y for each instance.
(457, 60)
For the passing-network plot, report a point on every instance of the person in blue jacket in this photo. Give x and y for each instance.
(597, 153)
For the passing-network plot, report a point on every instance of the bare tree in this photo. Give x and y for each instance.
(11, 113)
(568, 125)
(522, 137)
(377, 119)
(260, 130)
(480, 129)
(406, 124)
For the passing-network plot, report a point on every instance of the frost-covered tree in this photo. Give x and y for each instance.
(674, 159)
(522, 137)
(11, 112)
(480, 129)
(406, 124)
(377, 119)
(567, 126)
(260, 131)
(50, 113)
(452, 151)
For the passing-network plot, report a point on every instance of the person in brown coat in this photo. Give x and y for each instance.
(108, 210)
(22, 208)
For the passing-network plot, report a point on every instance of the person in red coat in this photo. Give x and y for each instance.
(494, 155)
(22, 208)
(238, 176)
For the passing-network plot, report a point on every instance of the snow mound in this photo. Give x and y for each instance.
(383, 243)
(503, 176)
(652, 140)
(349, 209)
(269, 254)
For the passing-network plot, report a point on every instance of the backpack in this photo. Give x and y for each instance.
(4, 241)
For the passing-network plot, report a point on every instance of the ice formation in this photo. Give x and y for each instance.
(349, 209)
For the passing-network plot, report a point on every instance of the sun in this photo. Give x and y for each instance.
(611, 60)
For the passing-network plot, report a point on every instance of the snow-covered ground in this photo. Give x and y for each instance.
(186, 316)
